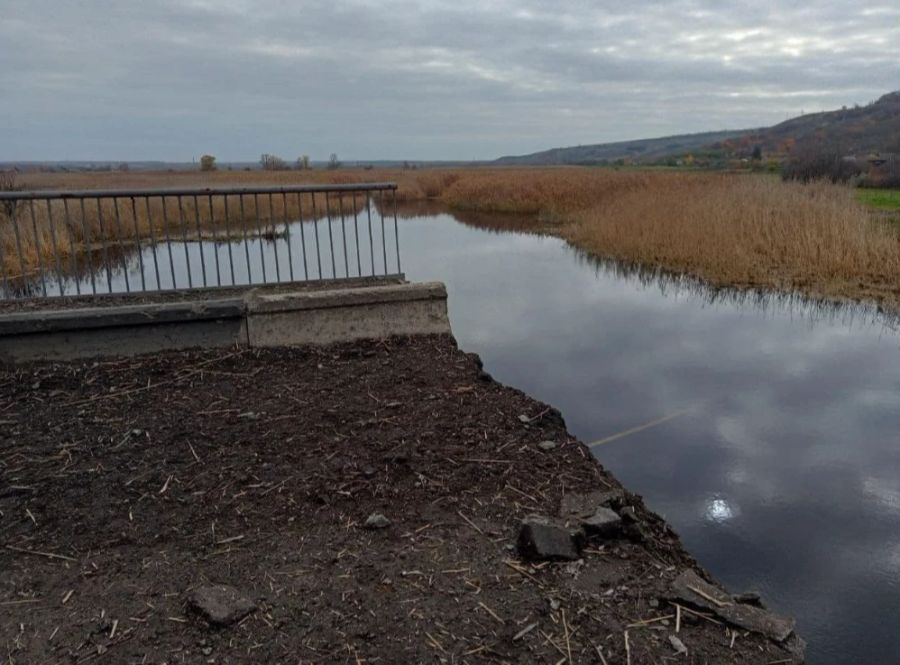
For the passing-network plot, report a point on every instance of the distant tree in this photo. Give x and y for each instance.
(757, 153)
(303, 163)
(333, 162)
(207, 163)
(123, 167)
(272, 162)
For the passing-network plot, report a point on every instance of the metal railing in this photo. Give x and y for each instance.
(141, 240)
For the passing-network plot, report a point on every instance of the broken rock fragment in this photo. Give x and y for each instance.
(690, 588)
(541, 539)
(220, 604)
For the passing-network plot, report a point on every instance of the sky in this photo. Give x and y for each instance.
(456, 80)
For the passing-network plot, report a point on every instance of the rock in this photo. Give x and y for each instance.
(547, 445)
(584, 505)
(220, 604)
(542, 540)
(524, 419)
(604, 523)
(485, 376)
(678, 645)
(690, 588)
(749, 598)
(377, 521)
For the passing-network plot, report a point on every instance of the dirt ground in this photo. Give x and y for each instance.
(127, 484)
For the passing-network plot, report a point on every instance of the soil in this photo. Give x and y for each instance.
(128, 484)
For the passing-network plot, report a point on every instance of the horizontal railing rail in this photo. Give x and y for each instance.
(141, 240)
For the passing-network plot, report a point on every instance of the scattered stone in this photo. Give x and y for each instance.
(220, 604)
(584, 505)
(369, 471)
(690, 588)
(749, 598)
(524, 419)
(485, 376)
(654, 603)
(377, 521)
(547, 445)
(402, 454)
(604, 523)
(678, 645)
(542, 540)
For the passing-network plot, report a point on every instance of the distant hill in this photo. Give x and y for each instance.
(861, 129)
(639, 150)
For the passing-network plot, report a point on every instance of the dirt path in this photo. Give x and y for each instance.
(130, 489)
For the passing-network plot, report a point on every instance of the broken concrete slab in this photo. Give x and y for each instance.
(541, 539)
(220, 604)
(691, 589)
(604, 523)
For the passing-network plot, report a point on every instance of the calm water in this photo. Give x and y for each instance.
(782, 473)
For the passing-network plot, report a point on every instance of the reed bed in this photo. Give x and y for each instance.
(754, 232)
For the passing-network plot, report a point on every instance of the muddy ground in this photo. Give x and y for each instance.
(128, 485)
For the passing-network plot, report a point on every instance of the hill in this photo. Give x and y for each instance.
(858, 130)
(639, 150)
(861, 129)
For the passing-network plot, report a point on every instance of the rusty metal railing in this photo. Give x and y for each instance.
(123, 241)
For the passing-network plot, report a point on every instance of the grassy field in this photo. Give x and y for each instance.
(880, 199)
(727, 229)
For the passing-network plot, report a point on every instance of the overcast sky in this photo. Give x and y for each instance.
(168, 79)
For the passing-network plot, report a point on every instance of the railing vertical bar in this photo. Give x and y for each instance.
(184, 240)
(343, 233)
(212, 226)
(6, 291)
(274, 237)
(396, 233)
(316, 230)
(287, 236)
(168, 240)
(87, 247)
(356, 234)
(246, 243)
(383, 237)
(228, 239)
(371, 238)
(104, 245)
(37, 247)
(55, 248)
(330, 235)
(21, 254)
(121, 245)
(302, 236)
(150, 226)
(137, 240)
(73, 262)
(200, 239)
(259, 236)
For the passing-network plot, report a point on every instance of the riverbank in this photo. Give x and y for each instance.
(358, 506)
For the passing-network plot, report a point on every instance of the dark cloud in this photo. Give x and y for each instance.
(165, 79)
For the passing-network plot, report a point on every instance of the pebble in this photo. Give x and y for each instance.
(377, 521)
(547, 445)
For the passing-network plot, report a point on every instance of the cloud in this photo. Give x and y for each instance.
(459, 80)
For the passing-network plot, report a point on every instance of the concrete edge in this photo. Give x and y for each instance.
(46, 321)
(359, 297)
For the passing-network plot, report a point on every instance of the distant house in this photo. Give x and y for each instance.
(883, 168)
